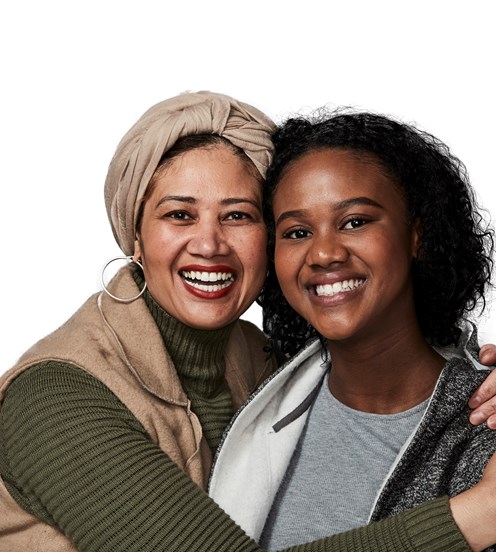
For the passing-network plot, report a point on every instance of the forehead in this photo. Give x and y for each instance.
(213, 170)
(342, 162)
(335, 172)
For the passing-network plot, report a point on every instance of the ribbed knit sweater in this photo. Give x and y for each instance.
(198, 356)
(124, 493)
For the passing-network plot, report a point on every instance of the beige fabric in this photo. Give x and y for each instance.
(101, 338)
(141, 149)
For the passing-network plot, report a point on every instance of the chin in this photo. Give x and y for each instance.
(210, 323)
(336, 332)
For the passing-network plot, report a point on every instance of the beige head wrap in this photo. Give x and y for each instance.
(141, 149)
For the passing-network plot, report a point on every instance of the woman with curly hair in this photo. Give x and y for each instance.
(379, 251)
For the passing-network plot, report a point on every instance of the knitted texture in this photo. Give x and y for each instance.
(425, 528)
(198, 357)
(75, 456)
(70, 442)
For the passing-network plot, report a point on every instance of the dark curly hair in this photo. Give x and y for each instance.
(455, 259)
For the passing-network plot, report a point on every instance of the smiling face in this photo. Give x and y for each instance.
(344, 247)
(202, 239)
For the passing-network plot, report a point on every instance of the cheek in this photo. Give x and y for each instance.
(400, 249)
(390, 261)
(252, 250)
(383, 244)
(286, 270)
(158, 255)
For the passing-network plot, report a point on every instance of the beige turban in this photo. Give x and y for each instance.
(141, 149)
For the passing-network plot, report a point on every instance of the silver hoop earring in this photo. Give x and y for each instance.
(130, 260)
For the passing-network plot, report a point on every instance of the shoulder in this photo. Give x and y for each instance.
(458, 380)
(51, 375)
(249, 357)
(246, 337)
(251, 332)
(464, 374)
(53, 390)
(68, 338)
(449, 411)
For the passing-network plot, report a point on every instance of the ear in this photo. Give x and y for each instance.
(137, 249)
(416, 238)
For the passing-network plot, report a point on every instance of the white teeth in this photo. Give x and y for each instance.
(221, 279)
(210, 287)
(336, 287)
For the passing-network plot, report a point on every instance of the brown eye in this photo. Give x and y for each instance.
(178, 215)
(353, 223)
(297, 234)
(238, 215)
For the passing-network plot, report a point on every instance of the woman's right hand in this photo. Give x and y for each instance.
(474, 511)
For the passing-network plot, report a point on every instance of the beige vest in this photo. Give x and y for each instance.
(121, 345)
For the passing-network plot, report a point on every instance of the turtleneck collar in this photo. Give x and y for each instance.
(198, 355)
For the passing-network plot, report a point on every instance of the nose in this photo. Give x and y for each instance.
(208, 240)
(326, 249)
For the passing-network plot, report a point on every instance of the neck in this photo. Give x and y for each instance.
(198, 355)
(384, 375)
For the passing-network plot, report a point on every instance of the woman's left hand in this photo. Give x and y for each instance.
(483, 401)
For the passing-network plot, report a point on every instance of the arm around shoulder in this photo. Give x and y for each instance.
(80, 460)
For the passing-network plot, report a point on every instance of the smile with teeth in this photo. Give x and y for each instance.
(338, 287)
(207, 281)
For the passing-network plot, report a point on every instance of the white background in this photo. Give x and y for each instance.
(76, 75)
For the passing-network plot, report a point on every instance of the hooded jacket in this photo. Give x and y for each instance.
(444, 455)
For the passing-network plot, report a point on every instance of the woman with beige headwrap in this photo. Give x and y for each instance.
(110, 424)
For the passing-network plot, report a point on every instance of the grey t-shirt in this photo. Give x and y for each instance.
(339, 466)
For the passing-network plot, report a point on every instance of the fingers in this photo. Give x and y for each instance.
(484, 398)
(487, 354)
(485, 413)
(485, 394)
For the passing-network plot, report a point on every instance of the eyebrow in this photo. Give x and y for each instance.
(236, 200)
(345, 204)
(182, 199)
(191, 200)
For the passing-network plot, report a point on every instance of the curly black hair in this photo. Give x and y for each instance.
(455, 261)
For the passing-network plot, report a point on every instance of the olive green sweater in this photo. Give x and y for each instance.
(124, 493)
